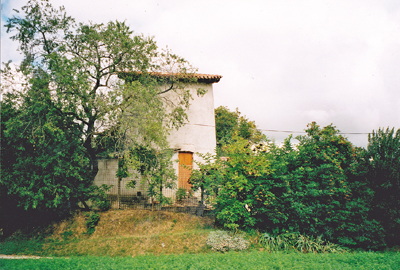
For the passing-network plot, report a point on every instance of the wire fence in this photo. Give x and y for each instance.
(123, 197)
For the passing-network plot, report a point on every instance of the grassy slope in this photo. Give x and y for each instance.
(171, 241)
(118, 233)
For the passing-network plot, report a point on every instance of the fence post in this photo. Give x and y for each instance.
(118, 193)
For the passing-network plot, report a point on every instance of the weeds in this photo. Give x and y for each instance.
(91, 222)
(298, 242)
(66, 235)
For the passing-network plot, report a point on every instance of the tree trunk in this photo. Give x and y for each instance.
(161, 198)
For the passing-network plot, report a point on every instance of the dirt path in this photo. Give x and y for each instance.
(21, 257)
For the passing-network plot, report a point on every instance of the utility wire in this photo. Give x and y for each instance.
(286, 131)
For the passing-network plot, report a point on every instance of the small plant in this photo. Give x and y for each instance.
(298, 242)
(166, 201)
(181, 194)
(223, 241)
(91, 222)
(131, 184)
(174, 223)
(281, 242)
(67, 235)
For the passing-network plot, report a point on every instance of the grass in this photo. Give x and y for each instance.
(139, 239)
(230, 260)
(118, 233)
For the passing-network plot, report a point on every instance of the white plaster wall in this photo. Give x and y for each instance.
(198, 135)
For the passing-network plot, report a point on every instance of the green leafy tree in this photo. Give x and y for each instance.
(316, 187)
(208, 177)
(229, 124)
(156, 169)
(43, 160)
(326, 192)
(383, 158)
(235, 183)
(72, 92)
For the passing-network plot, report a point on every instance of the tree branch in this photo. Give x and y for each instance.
(167, 90)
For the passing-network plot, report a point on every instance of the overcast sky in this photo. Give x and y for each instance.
(284, 63)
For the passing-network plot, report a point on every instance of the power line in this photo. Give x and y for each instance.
(287, 131)
(282, 131)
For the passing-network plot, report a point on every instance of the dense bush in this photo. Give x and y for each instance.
(235, 183)
(45, 166)
(383, 162)
(318, 188)
(321, 189)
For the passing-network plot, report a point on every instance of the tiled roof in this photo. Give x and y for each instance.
(206, 78)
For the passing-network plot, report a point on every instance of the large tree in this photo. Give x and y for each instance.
(72, 92)
(383, 159)
(230, 124)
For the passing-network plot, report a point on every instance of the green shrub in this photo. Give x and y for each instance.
(99, 197)
(321, 190)
(92, 220)
(317, 188)
(181, 194)
(383, 163)
(235, 183)
(298, 242)
(223, 241)
(130, 184)
(66, 235)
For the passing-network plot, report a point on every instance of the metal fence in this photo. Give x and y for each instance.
(122, 197)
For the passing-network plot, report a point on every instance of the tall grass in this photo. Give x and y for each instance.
(297, 242)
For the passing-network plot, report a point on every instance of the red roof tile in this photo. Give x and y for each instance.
(206, 78)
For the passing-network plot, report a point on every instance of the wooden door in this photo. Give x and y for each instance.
(185, 169)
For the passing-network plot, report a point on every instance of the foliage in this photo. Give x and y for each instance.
(141, 235)
(207, 177)
(235, 182)
(315, 188)
(42, 161)
(156, 169)
(70, 101)
(99, 200)
(295, 241)
(228, 124)
(383, 163)
(131, 184)
(181, 194)
(322, 191)
(92, 220)
(224, 241)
